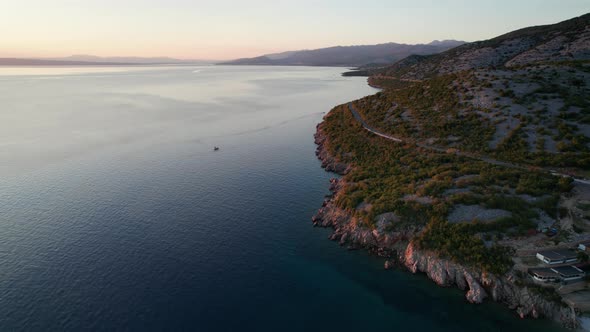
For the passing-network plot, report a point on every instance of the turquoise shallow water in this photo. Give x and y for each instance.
(115, 213)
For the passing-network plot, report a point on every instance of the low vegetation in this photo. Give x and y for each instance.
(484, 126)
(423, 186)
(459, 243)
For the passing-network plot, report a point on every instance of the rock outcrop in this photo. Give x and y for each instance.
(480, 286)
(328, 162)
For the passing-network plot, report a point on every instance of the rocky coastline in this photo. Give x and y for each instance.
(399, 251)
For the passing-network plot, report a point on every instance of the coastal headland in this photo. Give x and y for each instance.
(471, 166)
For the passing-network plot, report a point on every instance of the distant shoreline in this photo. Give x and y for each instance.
(18, 62)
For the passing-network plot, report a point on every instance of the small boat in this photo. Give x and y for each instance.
(216, 148)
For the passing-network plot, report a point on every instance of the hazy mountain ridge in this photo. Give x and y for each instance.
(92, 60)
(126, 59)
(45, 62)
(358, 55)
(564, 41)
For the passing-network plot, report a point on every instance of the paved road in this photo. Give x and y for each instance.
(488, 160)
(360, 119)
(582, 181)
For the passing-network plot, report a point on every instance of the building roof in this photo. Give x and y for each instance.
(544, 272)
(559, 254)
(568, 270)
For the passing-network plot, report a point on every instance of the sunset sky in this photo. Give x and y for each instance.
(225, 29)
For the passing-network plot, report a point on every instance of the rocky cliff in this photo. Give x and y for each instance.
(480, 286)
(399, 250)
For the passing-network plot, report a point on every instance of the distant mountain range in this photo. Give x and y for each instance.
(346, 56)
(91, 60)
(122, 59)
(351, 56)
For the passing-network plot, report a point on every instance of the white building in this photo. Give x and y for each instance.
(584, 246)
(569, 273)
(558, 256)
(544, 275)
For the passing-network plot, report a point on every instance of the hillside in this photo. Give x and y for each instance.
(530, 106)
(565, 41)
(469, 156)
(353, 56)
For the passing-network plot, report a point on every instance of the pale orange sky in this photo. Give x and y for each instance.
(231, 29)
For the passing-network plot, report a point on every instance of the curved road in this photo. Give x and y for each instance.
(488, 160)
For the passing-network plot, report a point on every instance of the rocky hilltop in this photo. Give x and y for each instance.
(565, 41)
(464, 159)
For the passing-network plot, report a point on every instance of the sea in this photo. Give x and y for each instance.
(116, 213)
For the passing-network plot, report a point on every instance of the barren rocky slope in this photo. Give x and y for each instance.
(565, 41)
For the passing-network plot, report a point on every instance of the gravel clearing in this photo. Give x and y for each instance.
(468, 213)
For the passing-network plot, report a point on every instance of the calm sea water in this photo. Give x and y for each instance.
(115, 213)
